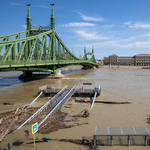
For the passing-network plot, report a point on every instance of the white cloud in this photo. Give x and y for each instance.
(79, 24)
(123, 43)
(147, 35)
(140, 25)
(16, 4)
(108, 26)
(24, 26)
(90, 35)
(127, 23)
(89, 18)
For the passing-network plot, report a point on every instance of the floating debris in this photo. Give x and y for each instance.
(105, 102)
(83, 114)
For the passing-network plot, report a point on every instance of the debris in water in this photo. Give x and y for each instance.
(105, 102)
(83, 114)
(7, 104)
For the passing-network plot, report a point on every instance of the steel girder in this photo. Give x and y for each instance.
(36, 51)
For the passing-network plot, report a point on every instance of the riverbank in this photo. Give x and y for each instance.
(11, 120)
(56, 128)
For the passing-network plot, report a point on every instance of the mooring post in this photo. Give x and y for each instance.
(94, 99)
(145, 140)
(94, 140)
(111, 140)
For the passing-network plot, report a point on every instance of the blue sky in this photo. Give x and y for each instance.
(119, 27)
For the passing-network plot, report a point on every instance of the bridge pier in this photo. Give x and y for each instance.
(27, 74)
(56, 75)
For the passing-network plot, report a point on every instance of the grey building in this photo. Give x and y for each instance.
(136, 60)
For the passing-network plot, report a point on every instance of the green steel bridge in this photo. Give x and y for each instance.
(40, 50)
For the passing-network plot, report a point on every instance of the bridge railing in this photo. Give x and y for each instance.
(48, 27)
(14, 62)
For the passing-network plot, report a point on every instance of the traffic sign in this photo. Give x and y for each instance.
(34, 128)
(26, 132)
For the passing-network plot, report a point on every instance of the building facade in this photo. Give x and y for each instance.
(136, 60)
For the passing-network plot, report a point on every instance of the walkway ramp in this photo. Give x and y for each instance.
(57, 102)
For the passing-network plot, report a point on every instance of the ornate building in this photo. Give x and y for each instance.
(136, 60)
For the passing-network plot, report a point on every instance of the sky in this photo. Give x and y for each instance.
(120, 27)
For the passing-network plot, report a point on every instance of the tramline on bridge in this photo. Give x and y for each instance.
(40, 50)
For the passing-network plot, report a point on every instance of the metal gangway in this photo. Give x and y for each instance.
(57, 102)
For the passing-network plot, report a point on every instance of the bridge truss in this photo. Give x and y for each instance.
(39, 50)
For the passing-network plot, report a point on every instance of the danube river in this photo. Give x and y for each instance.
(120, 85)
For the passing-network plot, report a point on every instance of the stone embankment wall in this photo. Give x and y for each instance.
(121, 67)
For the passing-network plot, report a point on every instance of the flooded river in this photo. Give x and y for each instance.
(132, 85)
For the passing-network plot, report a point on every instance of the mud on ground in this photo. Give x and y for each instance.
(10, 121)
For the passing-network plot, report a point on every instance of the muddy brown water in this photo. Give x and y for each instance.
(131, 85)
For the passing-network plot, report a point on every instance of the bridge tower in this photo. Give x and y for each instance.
(41, 50)
(28, 19)
(52, 23)
(28, 24)
(92, 49)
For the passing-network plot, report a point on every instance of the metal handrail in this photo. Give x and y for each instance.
(45, 106)
(36, 98)
(94, 99)
(59, 105)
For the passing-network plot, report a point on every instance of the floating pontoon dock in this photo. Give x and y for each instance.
(122, 136)
(85, 90)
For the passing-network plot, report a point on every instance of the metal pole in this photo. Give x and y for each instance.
(94, 140)
(128, 140)
(34, 139)
(95, 136)
(94, 99)
(145, 140)
(111, 140)
(36, 98)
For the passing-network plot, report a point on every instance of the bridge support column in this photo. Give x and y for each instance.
(56, 75)
(27, 74)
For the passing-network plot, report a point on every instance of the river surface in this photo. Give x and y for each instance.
(132, 85)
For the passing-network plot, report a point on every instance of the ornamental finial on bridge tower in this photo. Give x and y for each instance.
(84, 49)
(28, 15)
(92, 49)
(52, 18)
(28, 18)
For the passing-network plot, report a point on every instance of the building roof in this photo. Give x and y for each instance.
(113, 55)
(142, 55)
(125, 57)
